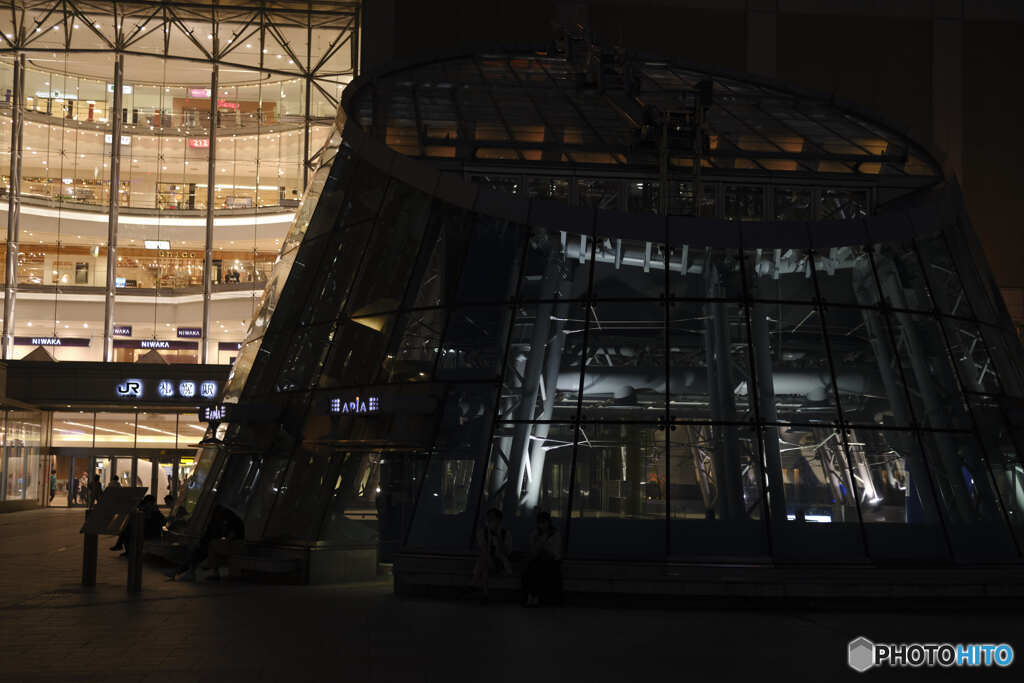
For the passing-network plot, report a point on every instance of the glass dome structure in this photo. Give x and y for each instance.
(698, 317)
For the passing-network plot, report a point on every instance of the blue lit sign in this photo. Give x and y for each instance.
(356, 405)
(187, 389)
(165, 388)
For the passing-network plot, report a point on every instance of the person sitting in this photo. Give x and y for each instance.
(492, 542)
(542, 578)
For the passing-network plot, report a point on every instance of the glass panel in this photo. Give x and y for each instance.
(414, 347)
(870, 380)
(115, 429)
(330, 290)
(946, 288)
(934, 393)
(71, 429)
(542, 374)
(793, 204)
(1003, 454)
(797, 364)
(709, 361)
(156, 430)
(304, 495)
(820, 501)
(449, 230)
(599, 193)
(901, 520)
(618, 504)
(715, 491)
(625, 361)
(974, 519)
(474, 343)
(352, 512)
(744, 203)
(547, 188)
(900, 277)
(642, 196)
(491, 268)
(970, 355)
(447, 503)
(357, 351)
(837, 204)
(392, 249)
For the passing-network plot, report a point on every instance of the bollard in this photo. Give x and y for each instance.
(90, 551)
(135, 551)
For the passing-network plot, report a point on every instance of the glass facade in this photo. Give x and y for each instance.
(20, 471)
(159, 159)
(798, 372)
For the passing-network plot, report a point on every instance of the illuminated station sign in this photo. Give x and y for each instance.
(166, 389)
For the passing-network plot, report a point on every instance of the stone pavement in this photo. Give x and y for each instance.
(51, 629)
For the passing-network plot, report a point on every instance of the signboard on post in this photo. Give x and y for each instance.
(113, 511)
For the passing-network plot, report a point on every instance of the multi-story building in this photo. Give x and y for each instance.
(152, 157)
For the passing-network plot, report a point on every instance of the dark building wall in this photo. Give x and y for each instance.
(994, 149)
(943, 70)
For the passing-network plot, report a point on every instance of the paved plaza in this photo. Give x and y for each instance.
(229, 631)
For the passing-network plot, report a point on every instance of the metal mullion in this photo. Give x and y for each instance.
(287, 48)
(755, 406)
(308, 95)
(587, 305)
(176, 21)
(819, 306)
(14, 207)
(333, 47)
(135, 36)
(239, 38)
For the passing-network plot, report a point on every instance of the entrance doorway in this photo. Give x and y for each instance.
(160, 471)
(71, 484)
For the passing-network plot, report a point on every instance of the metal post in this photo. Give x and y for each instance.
(211, 181)
(90, 551)
(113, 205)
(135, 541)
(13, 207)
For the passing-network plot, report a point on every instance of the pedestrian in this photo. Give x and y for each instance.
(492, 543)
(115, 482)
(53, 484)
(542, 578)
(95, 490)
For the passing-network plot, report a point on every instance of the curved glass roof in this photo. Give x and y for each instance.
(604, 109)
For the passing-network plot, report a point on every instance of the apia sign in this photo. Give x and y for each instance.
(354, 405)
